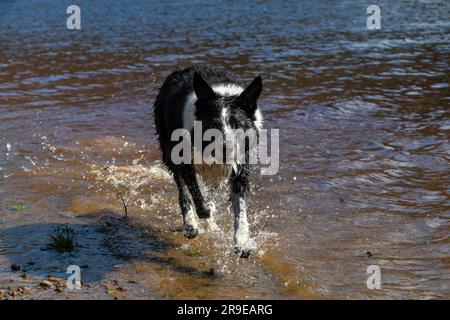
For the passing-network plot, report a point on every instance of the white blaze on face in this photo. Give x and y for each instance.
(228, 133)
(229, 140)
(228, 90)
(224, 90)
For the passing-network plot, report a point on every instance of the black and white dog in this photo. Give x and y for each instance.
(219, 101)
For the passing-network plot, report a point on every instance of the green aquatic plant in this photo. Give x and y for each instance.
(193, 252)
(64, 239)
(18, 207)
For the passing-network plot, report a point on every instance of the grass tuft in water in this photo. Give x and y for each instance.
(64, 239)
(193, 252)
(18, 207)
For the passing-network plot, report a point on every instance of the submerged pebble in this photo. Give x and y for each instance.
(54, 279)
(46, 284)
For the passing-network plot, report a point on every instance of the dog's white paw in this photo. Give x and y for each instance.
(190, 224)
(190, 231)
(244, 248)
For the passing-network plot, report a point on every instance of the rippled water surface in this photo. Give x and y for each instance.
(364, 148)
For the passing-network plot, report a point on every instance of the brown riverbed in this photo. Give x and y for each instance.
(364, 150)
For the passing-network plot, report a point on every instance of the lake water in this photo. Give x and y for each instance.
(364, 123)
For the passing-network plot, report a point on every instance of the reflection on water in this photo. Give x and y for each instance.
(364, 128)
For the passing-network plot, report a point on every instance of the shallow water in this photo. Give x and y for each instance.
(364, 127)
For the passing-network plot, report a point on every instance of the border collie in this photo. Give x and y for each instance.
(217, 100)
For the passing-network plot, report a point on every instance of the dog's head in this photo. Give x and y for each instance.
(227, 108)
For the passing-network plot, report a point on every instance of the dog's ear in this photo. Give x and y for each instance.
(251, 94)
(203, 91)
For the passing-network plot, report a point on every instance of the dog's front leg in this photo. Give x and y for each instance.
(190, 224)
(187, 173)
(243, 244)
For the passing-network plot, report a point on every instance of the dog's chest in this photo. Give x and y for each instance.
(214, 173)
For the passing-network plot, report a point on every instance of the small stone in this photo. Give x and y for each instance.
(54, 279)
(46, 284)
(22, 289)
(60, 286)
(24, 276)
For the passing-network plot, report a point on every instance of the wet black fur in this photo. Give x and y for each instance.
(168, 116)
